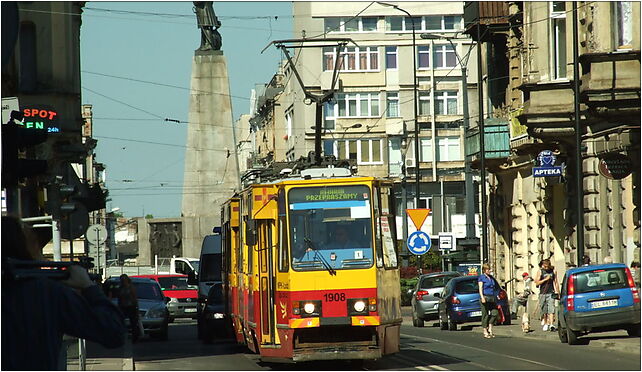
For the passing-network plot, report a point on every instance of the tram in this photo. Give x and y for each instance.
(310, 267)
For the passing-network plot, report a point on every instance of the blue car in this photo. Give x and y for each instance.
(598, 298)
(459, 303)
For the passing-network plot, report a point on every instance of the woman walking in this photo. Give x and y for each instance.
(128, 304)
(488, 292)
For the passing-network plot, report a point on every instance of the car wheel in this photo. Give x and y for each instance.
(561, 332)
(416, 321)
(452, 326)
(572, 336)
(634, 331)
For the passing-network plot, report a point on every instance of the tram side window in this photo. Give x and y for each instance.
(283, 246)
(377, 202)
(387, 222)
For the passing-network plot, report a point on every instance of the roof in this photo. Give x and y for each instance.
(151, 276)
(133, 279)
(440, 273)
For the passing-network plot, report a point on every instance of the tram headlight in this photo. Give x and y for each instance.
(308, 308)
(359, 306)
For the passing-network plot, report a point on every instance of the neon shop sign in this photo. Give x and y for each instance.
(41, 118)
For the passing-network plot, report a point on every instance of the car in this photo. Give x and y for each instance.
(423, 301)
(215, 319)
(597, 298)
(152, 304)
(183, 297)
(459, 303)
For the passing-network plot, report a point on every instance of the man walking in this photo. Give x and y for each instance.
(546, 280)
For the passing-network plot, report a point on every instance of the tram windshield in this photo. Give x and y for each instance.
(331, 227)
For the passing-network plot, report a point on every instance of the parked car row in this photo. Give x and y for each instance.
(597, 298)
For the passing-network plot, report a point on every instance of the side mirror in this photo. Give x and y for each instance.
(438, 295)
(216, 230)
(167, 300)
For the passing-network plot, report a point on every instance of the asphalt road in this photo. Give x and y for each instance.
(425, 348)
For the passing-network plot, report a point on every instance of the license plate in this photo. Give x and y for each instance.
(190, 310)
(475, 313)
(605, 303)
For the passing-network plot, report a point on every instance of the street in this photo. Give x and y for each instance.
(426, 348)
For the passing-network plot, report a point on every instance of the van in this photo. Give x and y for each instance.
(209, 272)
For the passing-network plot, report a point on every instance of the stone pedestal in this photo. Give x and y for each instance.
(210, 168)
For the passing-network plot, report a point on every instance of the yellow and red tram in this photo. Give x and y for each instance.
(310, 267)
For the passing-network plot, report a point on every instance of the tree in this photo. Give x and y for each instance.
(149, 216)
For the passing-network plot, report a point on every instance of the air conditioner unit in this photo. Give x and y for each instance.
(410, 163)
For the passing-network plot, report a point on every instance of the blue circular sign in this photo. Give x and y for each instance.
(419, 242)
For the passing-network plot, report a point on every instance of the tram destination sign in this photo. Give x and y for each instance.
(335, 193)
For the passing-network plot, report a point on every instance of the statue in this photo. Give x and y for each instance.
(209, 24)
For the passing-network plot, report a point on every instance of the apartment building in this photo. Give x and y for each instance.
(531, 218)
(371, 117)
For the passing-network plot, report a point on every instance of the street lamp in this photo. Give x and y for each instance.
(468, 176)
(414, 88)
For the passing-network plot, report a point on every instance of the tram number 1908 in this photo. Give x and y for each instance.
(334, 297)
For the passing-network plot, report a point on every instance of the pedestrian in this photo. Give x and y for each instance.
(635, 272)
(37, 311)
(128, 304)
(608, 260)
(546, 280)
(522, 300)
(488, 292)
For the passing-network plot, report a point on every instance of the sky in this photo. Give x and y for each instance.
(136, 60)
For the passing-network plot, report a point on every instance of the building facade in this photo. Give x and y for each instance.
(532, 218)
(371, 117)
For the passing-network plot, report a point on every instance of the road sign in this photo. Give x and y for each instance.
(418, 216)
(419, 242)
(96, 234)
(446, 241)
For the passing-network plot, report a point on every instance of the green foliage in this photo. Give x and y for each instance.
(149, 216)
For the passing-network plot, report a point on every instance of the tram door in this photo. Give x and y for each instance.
(266, 280)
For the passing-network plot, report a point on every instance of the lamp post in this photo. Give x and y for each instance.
(414, 89)
(468, 176)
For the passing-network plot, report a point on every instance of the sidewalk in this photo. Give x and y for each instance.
(616, 340)
(99, 358)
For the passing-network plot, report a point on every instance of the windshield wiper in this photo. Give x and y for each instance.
(319, 257)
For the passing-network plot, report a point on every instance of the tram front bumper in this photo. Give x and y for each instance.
(336, 353)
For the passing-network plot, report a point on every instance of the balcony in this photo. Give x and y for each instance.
(496, 140)
(483, 14)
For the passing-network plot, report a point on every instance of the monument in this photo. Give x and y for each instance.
(211, 171)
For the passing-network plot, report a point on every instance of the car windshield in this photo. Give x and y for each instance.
(435, 281)
(600, 280)
(330, 227)
(467, 287)
(148, 291)
(174, 283)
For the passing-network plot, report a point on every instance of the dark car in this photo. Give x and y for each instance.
(459, 302)
(424, 303)
(598, 298)
(152, 304)
(215, 321)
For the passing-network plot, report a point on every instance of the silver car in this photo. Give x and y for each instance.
(424, 303)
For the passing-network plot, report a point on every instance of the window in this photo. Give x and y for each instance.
(355, 105)
(365, 151)
(448, 149)
(423, 57)
(624, 24)
(558, 39)
(427, 23)
(288, 124)
(328, 147)
(424, 103)
(425, 149)
(329, 118)
(353, 59)
(444, 56)
(392, 105)
(391, 57)
(446, 103)
(352, 24)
